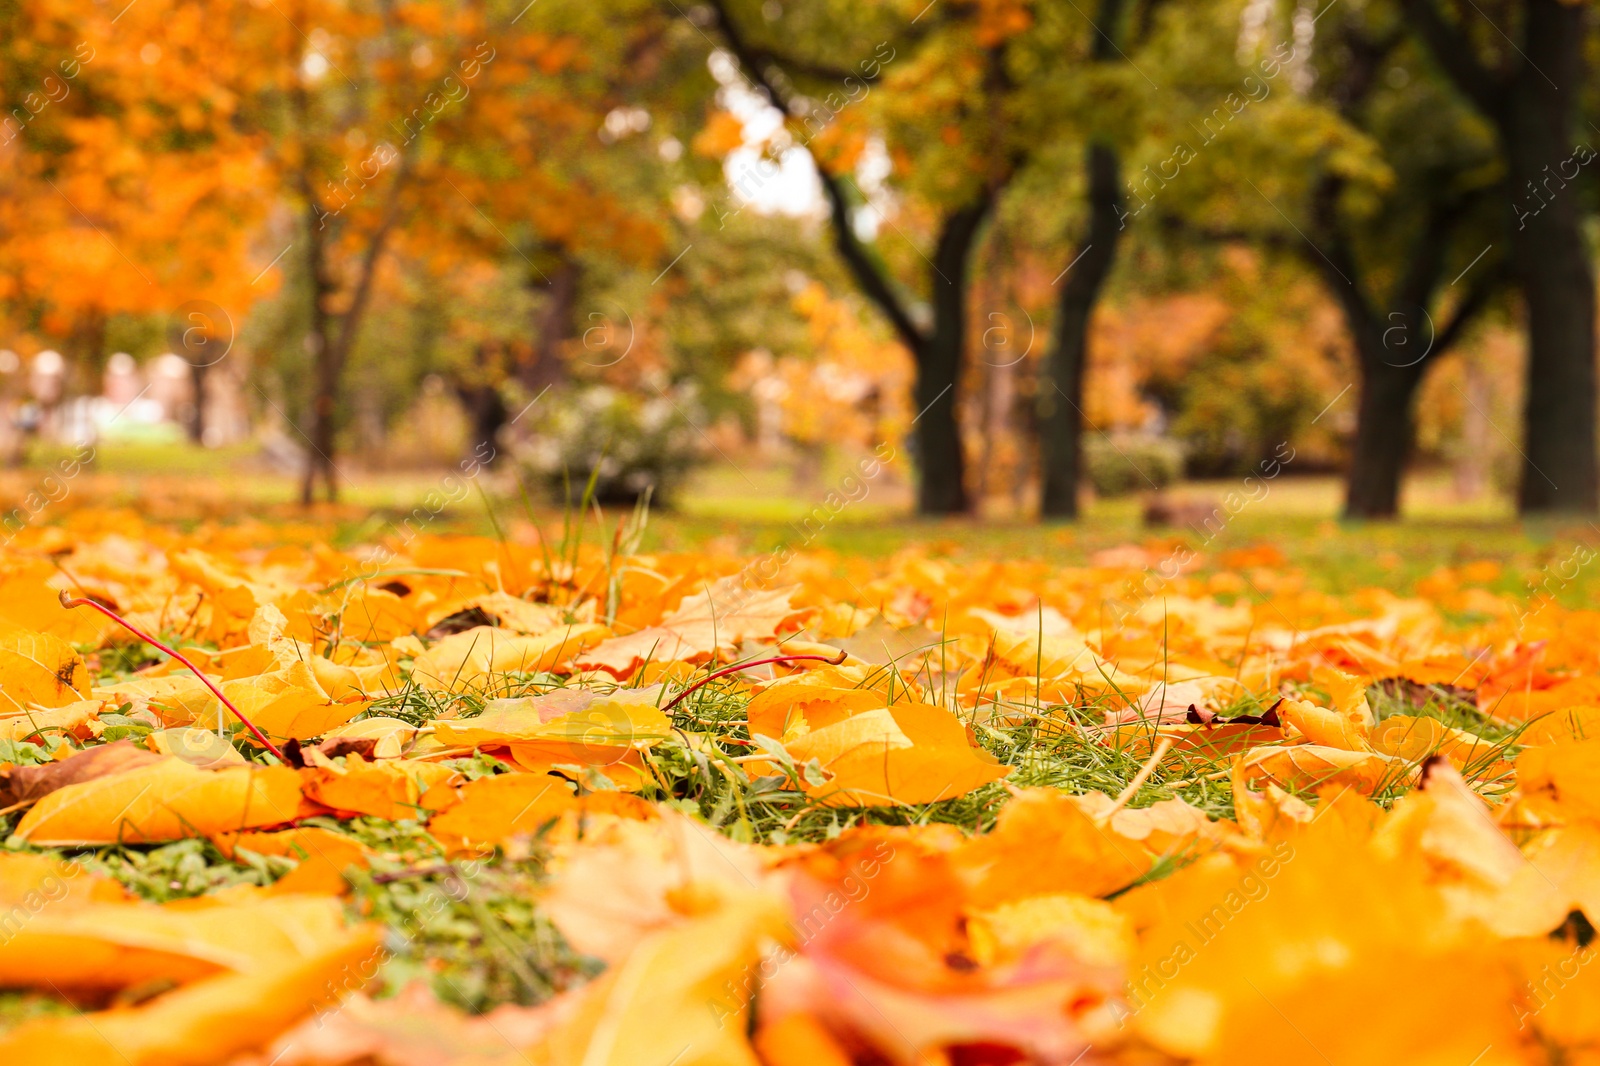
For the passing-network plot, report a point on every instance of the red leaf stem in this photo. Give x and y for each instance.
(69, 603)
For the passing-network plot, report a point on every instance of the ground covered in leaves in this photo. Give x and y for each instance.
(438, 798)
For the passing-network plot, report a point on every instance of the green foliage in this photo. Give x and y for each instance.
(1118, 464)
(629, 444)
(180, 870)
(22, 753)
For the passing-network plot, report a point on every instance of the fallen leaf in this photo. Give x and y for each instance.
(1253, 965)
(391, 789)
(1046, 844)
(30, 883)
(679, 998)
(492, 810)
(323, 857)
(1308, 767)
(466, 662)
(497, 609)
(27, 784)
(723, 616)
(906, 754)
(164, 800)
(204, 1022)
(115, 945)
(72, 720)
(413, 1029)
(38, 669)
(627, 878)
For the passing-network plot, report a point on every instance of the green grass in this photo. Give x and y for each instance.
(756, 506)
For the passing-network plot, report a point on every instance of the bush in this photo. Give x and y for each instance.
(1129, 462)
(636, 442)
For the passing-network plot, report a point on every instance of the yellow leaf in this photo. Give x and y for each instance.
(287, 704)
(28, 601)
(168, 800)
(1276, 964)
(124, 945)
(722, 616)
(1477, 869)
(505, 611)
(464, 662)
(593, 733)
(178, 699)
(29, 883)
(908, 753)
(392, 734)
(1308, 767)
(322, 854)
(491, 810)
(1573, 723)
(780, 709)
(1415, 739)
(203, 748)
(1565, 777)
(1087, 929)
(38, 669)
(390, 789)
(72, 719)
(678, 999)
(207, 1021)
(626, 878)
(1324, 727)
(1045, 844)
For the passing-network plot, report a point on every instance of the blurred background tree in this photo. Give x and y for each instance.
(370, 236)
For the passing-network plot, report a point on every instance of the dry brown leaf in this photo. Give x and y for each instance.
(28, 784)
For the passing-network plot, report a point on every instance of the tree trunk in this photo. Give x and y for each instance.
(1061, 386)
(939, 353)
(486, 416)
(197, 417)
(1383, 438)
(324, 381)
(323, 414)
(1394, 339)
(941, 488)
(332, 352)
(1533, 108)
(553, 327)
(1551, 259)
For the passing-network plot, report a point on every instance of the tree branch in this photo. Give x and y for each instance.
(1475, 301)
(1367, 54)
(869, 276)
(1452, 50)
(1426, 262)
(1177, 225)
(369, 266)
(872, 280)
(1335, 258)
(810, 68)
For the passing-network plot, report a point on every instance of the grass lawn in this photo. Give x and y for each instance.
(750, 508)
